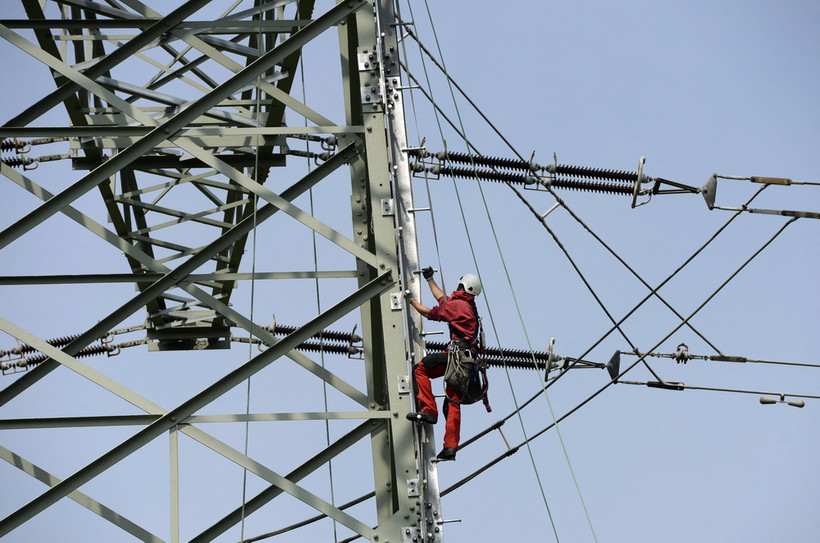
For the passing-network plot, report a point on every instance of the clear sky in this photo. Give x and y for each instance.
(698, 88)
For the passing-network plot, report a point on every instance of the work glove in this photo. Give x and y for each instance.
(428, 272)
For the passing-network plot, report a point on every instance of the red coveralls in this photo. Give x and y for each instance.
(458, 313)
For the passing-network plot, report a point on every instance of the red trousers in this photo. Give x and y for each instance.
(432, 366)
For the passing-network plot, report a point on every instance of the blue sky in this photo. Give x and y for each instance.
(725, 87)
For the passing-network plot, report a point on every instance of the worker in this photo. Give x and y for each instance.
(460, 313)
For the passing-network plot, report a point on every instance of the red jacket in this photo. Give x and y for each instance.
(457, 311)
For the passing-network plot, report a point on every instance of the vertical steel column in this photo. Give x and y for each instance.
(383, 222)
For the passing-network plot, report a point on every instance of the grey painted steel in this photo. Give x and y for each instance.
(84, 500)
(270, 493)
(177, 122)
(172, 277)
(122, 53)
(372, 142)
(188, 408)
(151, 277)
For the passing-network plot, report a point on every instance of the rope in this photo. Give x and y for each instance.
(475, 260)
(253, 297)
(318, 312)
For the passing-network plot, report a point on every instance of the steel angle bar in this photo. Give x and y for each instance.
(87, 222)
(281, 482)
(175, 123)
(64, 279)
(77, 422)
(174, 277)
(219, 26)
(155, 411)
(170, 277)
(317, 369)
(270, 89)
(82, 369)
(100, 9)
(188, 408)
(92, 505)
(266, 194)
(301, 416)
(201, 132)
(106, 63)
(257, 502)
(181, 216)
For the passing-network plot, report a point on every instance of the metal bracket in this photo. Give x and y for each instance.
(396, 301)
(367, 61)
(388, 207)
(636, 191)
(411, 534)
(412, 488)
(404, 384)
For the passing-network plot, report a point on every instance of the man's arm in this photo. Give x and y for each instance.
(434, 288)
(423, 310)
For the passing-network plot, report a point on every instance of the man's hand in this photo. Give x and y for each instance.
(428, 272)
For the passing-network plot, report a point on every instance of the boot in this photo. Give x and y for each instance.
(422, 416)
(447, 453)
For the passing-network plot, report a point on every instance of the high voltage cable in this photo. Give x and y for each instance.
(653, 291)
(535, 468)
(520, 196)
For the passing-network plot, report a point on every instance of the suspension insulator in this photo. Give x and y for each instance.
(592, 186)
(283, 329)
(18, 161)
(592, 173)
(487, 175)
(564, 183)
(513, 358)
(496, 162)
(12, 145)
(25, 348)
(88, 351)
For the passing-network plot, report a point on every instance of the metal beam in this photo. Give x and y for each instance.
(95, 278)
(311, 465)
(175, 123)
(105, 64)
(226, 383)
(176, 276)
(92, 505)
(283, 483)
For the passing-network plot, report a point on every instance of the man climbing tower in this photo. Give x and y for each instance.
(460, 313)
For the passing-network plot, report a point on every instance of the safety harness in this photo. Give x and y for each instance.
(466, 365)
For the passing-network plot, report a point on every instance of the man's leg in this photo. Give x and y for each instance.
(431, 366)
(452, 428)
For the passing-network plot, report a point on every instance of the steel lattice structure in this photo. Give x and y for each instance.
(186, 127)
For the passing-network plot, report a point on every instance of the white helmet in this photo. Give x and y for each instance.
(471, 284)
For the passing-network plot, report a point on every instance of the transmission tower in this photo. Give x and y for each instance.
(190, 128)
